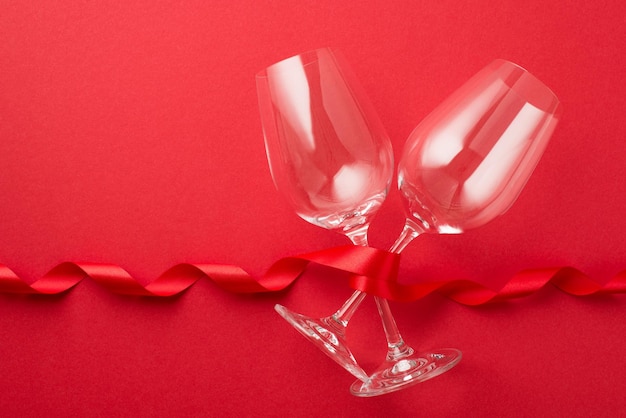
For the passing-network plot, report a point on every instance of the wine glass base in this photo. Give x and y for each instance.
(407, 371)
(326, 334)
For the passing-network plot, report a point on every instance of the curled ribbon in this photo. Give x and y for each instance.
(524, 283)
(375, 264)
(373, 271)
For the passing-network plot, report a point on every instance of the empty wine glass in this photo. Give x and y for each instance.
(463, 166)
(330, 157)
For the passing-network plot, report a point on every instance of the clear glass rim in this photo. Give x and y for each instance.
(547, 95)
(307, 57)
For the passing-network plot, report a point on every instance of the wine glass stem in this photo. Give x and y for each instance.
(410, 231)
(358, 236)
(396, 346)
(343, 314)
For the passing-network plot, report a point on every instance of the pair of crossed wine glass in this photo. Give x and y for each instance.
(461, 167)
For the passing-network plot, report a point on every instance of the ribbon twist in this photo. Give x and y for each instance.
(373, 271)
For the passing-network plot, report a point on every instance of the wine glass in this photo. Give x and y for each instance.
(464, 165)
(330, 156)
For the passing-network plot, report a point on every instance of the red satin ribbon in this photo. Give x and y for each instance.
(373, 271)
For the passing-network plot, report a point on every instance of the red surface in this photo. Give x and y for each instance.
(129, 134)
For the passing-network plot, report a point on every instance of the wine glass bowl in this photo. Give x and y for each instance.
(328, 152)
(467, 162)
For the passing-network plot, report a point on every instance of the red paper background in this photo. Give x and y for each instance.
(129, 134)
